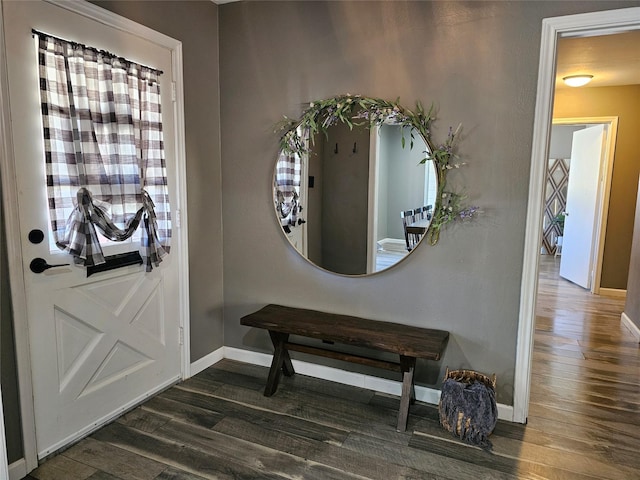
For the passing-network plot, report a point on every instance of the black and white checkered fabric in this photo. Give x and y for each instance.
(104, 151)
(287, 188)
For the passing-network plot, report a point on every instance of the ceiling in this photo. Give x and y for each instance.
(611, 59)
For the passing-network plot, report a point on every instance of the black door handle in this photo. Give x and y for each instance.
(39, 265)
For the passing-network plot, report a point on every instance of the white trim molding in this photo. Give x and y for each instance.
(14, 261)
(613, 292)
(4, 467)
(17, 470)
(206, 361)
(585, 24)
(626, 321)
(377, 384)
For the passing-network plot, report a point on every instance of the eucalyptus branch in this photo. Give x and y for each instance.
(358, 110)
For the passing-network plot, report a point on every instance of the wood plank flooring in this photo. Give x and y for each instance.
(584, 418)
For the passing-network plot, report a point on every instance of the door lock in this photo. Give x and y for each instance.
(36, 236)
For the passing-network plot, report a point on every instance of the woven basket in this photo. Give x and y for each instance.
(473, 422)
(470, 376)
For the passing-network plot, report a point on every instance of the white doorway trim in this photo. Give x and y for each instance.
(372, 227)
(604, 187)
(586, 24)
(4, 466)
(10, 197)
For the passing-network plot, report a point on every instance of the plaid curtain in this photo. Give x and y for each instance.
(287, 188)
(104, 151)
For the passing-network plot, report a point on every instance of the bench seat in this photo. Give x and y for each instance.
(408, 342)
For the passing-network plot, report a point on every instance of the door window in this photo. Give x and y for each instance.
(104, 152)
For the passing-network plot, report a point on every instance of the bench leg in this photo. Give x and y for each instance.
(281, 362)
(407, 366)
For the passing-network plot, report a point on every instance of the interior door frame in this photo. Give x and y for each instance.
(604, 187)
(585, 24)
(4, 466)
(372, 226)
(10, 197)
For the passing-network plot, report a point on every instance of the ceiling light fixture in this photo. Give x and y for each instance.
(577, 80)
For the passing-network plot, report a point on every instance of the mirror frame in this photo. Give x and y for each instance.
(360, 110)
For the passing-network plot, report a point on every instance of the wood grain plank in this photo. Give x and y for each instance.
(556, 453)
(183, 411)
(60, 467)
(115, 461)
(225, 408)
(143, 420)
(422, 460)
(215, 378)
(366, 465)
(512, 466)
(266, 458)
(103, 476)
(211, 465)
(335, 412)
(173, 473)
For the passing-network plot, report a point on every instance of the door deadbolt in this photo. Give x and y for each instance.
(36, 236)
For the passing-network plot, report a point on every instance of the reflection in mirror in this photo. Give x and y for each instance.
(359, 183)
(359, 199)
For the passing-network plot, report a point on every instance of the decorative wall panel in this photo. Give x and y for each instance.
(555, 202)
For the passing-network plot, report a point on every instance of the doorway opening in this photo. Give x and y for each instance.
(572, 26)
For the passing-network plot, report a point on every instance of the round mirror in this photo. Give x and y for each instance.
(359, 198)
(358, 184)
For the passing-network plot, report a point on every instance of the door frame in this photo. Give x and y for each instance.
(604, 188)
(372, 226)
(584, 24)
(4, 466)
(10, 197)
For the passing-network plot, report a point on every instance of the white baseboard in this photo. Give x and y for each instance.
(626, 321)
(206, 361)
(377, 384)
(613, 292)
(18, 470)
(393, 244)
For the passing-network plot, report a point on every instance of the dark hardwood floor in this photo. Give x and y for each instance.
(584, 419)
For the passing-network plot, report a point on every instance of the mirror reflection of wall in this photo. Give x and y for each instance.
(404, 183)
(340, 166)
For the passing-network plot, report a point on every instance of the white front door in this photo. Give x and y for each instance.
(587, 150)
(99, 344)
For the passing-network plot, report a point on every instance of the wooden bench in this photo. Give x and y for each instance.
(409, 342)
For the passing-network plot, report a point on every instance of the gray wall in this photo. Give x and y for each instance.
(561, 140)
(195, 24)
(478, 61)
(345, 188)
(632, 306)
(404, 178)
